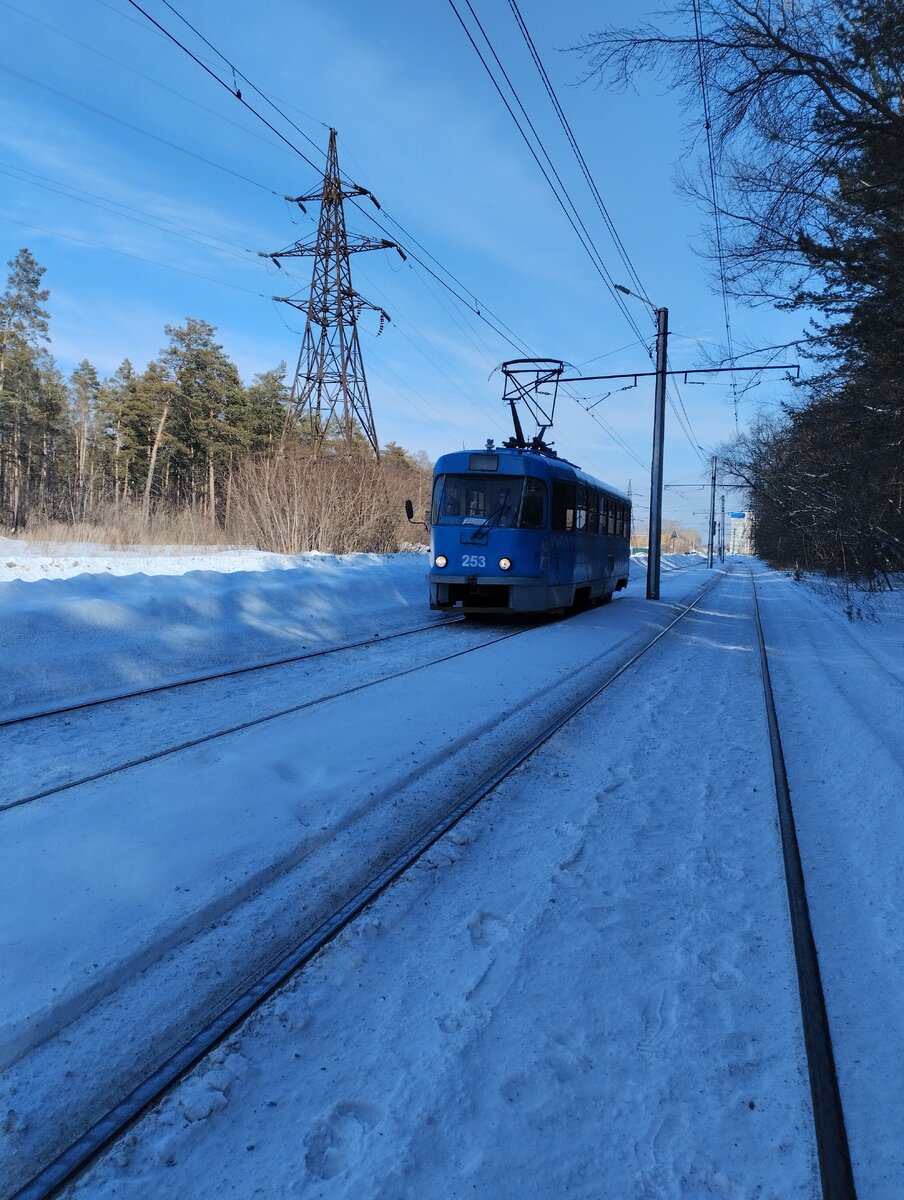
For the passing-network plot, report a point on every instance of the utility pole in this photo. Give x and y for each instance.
(661, 374)
(655, 546)
(722, 533)
(712, 516)
(330, 387)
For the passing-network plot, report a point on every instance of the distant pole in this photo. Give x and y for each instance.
(712, 516)
(722, 534)
(653, 555)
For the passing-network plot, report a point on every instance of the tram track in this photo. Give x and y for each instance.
(240, 726)
(276, 974)
(233, 672)
(833, 1151)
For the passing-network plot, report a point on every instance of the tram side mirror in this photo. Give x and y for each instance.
(409, 513)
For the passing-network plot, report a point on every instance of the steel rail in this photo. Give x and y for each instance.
(87, 1148)
(97, 702)
(835, 1170)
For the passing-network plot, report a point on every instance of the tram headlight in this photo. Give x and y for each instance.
(440, 560)
(505, 564)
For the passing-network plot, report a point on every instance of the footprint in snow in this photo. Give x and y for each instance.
(486, 929)
(335, 1144)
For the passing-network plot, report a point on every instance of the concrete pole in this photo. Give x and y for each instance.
(662, 339)
(722, 538)
(712, 516)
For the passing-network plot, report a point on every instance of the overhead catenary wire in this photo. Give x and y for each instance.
(682, 416)
(587, 240)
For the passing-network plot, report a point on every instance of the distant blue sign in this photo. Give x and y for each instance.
(739, 515)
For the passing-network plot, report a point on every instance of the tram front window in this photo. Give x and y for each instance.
(472, 500)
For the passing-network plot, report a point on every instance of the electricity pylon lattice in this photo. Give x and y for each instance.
(329, 392)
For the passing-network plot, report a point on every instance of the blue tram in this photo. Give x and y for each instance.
(515, 529)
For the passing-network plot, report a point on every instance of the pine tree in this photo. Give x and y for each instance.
(206, 423)
(265, 407)
(85, 395)
(23, 326)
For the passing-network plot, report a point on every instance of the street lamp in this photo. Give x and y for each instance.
(662, 338)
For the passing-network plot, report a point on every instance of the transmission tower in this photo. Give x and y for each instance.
(330, 387)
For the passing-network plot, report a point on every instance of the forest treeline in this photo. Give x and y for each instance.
(805, 103)
(183, 438)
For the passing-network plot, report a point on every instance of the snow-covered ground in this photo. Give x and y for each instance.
(586, 989)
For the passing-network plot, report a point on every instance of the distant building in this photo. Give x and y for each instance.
(740, 533)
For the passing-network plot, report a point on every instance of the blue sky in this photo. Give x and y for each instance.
(104, 125)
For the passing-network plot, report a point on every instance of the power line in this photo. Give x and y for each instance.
(236, 73)
(682, 416)
(104, 203)
(134, 71)
(236, 92)
(456, 288)
(585, 238)
(137, 129)
(582, 162)
(717, 216)
(575, 221)
(137, 257)
(461, 292)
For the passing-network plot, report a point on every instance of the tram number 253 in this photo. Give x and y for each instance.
(473, 560)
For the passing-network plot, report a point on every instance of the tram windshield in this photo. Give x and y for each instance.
(506, 500)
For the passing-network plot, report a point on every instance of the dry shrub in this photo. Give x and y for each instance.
(336, 504)
(124, 525)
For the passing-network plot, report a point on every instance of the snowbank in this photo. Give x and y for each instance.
(138, 619)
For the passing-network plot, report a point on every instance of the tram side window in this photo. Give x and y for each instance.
(593, 512)
(533, 506)
(580, 510)
(610, 519)
(563, 503)
(620, 521)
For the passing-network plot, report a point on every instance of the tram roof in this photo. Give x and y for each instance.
(516, 461)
